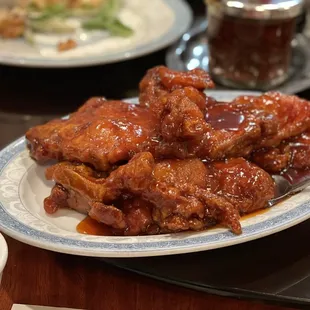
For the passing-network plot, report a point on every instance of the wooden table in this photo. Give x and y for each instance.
(35, 276)
(39, 277)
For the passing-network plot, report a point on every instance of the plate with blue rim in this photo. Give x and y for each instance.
(23, 188)
(156, 24)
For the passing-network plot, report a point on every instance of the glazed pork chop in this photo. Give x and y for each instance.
(292, 153)
(146, 196)
(101, 133)
(175, 119)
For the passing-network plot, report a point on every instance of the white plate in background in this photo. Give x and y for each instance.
(157, 24)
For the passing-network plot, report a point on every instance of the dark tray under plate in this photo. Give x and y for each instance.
(272, 269)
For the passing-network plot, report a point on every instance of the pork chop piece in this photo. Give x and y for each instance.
(214, 131)
(219, 130)
(181, 194)
(242, 183)
(282, 116)
(200, 126)
(101, 133)
(292, 153)
(160, 81)
(178, 204)
(175, 119)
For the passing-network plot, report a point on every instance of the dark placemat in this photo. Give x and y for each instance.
(274, 268)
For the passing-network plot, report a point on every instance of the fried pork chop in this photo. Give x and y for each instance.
(101, 133)
(198, 126)
(138, 168)
(292, 153)
(175, 119)
(147, 196)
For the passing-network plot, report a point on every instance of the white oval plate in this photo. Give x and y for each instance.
(157, 24)
(23, 188)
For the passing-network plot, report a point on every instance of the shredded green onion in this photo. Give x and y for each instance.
(59, 10)
(55, 24)
(115, 27)
(53, 19)
(106, 19)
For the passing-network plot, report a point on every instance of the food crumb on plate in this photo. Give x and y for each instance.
(66, 45)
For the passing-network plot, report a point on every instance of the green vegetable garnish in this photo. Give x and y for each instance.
(52, 11)
(110, 9)
(106, 19)
(53, 18)
(54, 24)
(50, 19)
(115, 27)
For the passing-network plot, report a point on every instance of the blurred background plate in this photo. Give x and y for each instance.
(191, 52)
(157, 24)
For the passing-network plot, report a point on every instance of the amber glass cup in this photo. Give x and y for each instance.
(249, 52)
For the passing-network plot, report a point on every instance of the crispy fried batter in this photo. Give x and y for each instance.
(160, 81)
(292, 153)
(180, 122)
(281, 116)
(222, 130)
(172, 197)
(101, 133)
(193, 132)
(242, 183)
